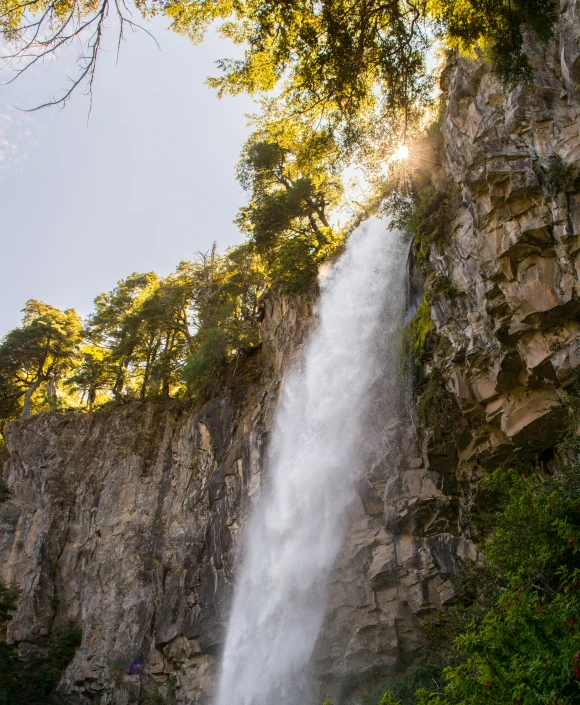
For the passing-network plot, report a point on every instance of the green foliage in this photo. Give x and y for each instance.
(497, 28)
(437, 285)
(148, 338)
(32, 680)
(526, 647)
(415, 335)
(434, 201)
(401, 688)
(204, 368)
(347, 65)
(387, 699)
(35, 357)
(437, 409)
(557, 176)
(292, 178)
(512, 635)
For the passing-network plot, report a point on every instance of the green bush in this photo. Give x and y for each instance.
(437, 408)
(526, 647)
(293, 265)
(434, 204)
(203, 370)
(401, 688)
(513, 636)
(415, 335)
(33, 681)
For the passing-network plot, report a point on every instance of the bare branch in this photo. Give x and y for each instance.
(49, 32)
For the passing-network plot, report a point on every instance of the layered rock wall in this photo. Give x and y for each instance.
(507, 318)
(125, 523)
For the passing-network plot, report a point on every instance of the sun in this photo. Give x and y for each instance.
(402, 152)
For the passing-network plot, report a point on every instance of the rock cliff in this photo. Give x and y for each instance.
(507, 316)
(125, 521)
(122, 523)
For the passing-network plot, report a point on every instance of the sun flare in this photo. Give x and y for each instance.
(402, 152)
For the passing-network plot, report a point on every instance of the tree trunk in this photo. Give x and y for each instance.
(51, 393)
(28, 397)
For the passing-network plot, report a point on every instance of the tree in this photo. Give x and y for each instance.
(93, 377)
(347, 63)
(497, 28)
(146, 331)
(227, 308)
(293, 178)
(148, 338)
(37, 355)
(116, 328)
(32, 680)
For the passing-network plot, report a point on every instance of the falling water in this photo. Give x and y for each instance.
(316, 454)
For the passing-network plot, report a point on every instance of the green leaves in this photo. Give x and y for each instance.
(136, 342)
(522, 644)
(32, 681)
(35, 357)
(293, 185)
(497, 28)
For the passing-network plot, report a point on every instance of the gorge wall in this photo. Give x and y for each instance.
(125, 521)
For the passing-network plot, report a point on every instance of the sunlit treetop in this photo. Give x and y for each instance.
(335, 60)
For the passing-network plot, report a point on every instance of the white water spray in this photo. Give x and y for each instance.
(316, 454)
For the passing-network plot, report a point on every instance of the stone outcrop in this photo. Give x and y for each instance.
(125, 521)
(509, 331)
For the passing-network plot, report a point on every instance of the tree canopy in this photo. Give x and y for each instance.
(339, 84)
(37, 355)
(341, 61)
(148, 338)
(295, 186)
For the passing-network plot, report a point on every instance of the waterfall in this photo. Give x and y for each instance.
(316, 454)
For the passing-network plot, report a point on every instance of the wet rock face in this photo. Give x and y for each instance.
(400, 559)
(512, 325)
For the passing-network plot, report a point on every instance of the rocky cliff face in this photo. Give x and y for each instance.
(125, 521)
(122, 522)
(509, 331)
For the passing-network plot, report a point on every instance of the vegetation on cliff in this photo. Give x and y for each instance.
(513, 634)
(32, 680)
(340, 86)
(148, 338)
(340, 60)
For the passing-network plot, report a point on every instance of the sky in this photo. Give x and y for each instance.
(144, 181)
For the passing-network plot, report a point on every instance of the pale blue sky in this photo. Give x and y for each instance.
(147, 181)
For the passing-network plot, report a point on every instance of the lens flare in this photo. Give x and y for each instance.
(402, 152)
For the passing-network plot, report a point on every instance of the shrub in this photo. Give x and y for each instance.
(203, 370)
(513, 635)
(33, 681)
(437, 409)
(415, 335)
